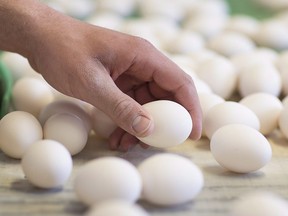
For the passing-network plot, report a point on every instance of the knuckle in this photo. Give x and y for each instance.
(142, 43)
(122, 109)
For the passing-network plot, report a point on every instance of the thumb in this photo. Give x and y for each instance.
(124, 110)
(131, 116)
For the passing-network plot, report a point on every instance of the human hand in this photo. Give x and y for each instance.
(112, 71)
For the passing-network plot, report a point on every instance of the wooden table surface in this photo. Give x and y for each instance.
(18, 197)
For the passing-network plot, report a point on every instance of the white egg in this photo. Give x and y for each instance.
(244, 24)
(116, 207)
(56, 5)
(283, 121)
(47, 164)
(259, 203)
(220, 74)
(231, 43)
(18, 130)
(172, 124)
(169, 9)
(229, 113)
(107, 178)
(185, 62)
(107, 20)
(273, 34)
(202, 55)
(164, 29)
(207, 101)
(79, 9)
(201, 86)
(262, 77)
(267, 107)
(240, 148)
(281, 61)
(17, 65)
(210, 7)
(170, 179)
(31, 95)
(121, 7)
(255, 57)
(282, 65)
(206, 25)
(141, 28)
(62, 97)
(65, 106)
(67, 129)
(186, 42)
(102, 124)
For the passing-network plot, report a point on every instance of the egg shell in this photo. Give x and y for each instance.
(164, 8)
(31, 95)
(202, 55)
(255, 57)
(231, 43)
(121, 7)
(106, 19)
(262, 77)
(206, 25)
(207, 101)
(80, 9)
(186, 42)
(116, 207)
(172, 124)
(229, 112)
(67, 129)
(102, 124)
(164, 29)
(170, 179)
(240, 148)
(185, 62)
(18, 130)
(244, 24)
(259, 203)
(283, 121)
(65, 106)
(210, 7)
(201, 86)
(17, 64)
(47, 164)
(141, 28)
(272, 33)
(282, 65)
(220, 74)
(107, 178)
(281, 61)
(267, 107)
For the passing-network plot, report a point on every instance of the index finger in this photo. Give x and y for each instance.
(154, 66)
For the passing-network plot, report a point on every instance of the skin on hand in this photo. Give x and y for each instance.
(113, 71)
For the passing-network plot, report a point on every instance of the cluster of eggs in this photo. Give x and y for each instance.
(225, 55)
(45, 129)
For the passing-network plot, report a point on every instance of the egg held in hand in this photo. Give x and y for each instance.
(172, 124)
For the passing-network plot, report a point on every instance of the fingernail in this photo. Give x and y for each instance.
(140, 125)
